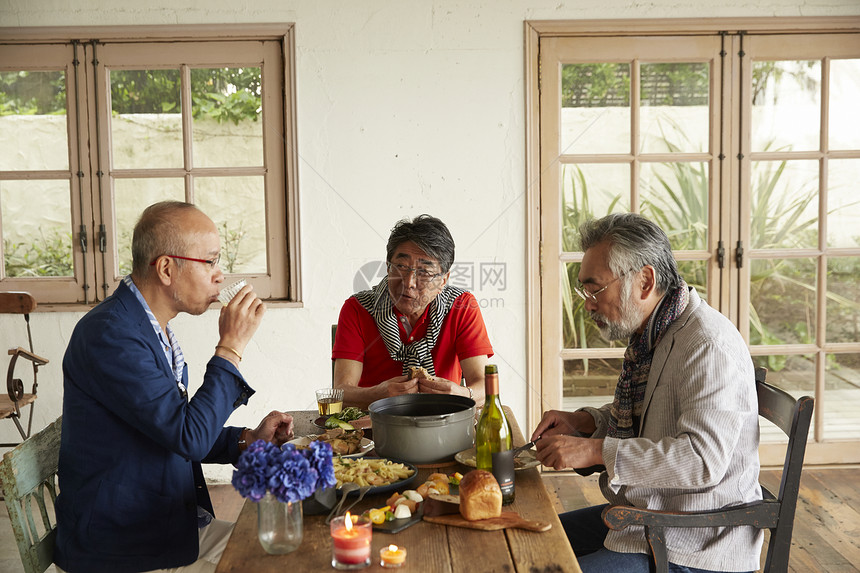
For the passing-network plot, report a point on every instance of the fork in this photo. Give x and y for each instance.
(344, 491)
(364, 489)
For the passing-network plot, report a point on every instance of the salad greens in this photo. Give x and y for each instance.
(345, 415)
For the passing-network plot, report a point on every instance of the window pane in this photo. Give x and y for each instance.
(843, 203)
(146, 123)
(844, 116)
(595, 108)
(674, 100)
(237, 206)
(795, 375)
(784, 198)
(591, 191)
(695, 274)
(227, 110)
(843, 299)
(841, 397)
(782, 301)
(132, 196)
(33, 131)
(786, 100)
(589, 382)
(675, 196)
(37, 228)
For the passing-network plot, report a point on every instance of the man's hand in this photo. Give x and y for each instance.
(400, 385)
(276, 427)
(559, 422)
(240, 318)
(562, 452)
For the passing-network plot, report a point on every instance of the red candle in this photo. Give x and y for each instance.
(351, 542)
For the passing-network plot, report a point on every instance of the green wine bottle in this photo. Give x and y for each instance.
(493, 440)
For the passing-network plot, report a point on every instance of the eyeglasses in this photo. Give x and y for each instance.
(211, 262)
(592, 296)
(422, 276)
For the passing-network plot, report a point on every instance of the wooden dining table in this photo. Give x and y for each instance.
(430, 547)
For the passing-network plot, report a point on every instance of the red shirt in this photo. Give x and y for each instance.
(463, 335)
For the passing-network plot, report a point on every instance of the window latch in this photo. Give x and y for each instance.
(83, 238)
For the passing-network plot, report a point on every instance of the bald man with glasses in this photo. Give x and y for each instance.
(132, 493)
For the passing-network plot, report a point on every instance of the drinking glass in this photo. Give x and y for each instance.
(329, 401)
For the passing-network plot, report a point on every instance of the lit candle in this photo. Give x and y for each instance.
(392, 556)
(350, 542)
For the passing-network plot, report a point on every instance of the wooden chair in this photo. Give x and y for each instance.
(774, 512)
(27, 473)
(333, 334)
(15, 398)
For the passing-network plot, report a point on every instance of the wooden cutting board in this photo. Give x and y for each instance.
(508, 520)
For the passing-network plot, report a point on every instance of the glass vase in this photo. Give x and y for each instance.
(279, 525)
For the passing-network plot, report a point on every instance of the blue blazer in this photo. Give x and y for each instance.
(129, 473)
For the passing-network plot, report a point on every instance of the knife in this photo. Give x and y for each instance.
(521, 449)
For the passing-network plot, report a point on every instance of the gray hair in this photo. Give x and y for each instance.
(634, 242)
(429, 233)
(157, 233)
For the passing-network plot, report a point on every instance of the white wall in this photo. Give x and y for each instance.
(404, 107)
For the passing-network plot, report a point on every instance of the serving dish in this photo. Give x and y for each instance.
(391, 486)
(398, 525)
(524, 461)
(364, 446)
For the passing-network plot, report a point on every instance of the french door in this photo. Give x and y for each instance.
(745, 148)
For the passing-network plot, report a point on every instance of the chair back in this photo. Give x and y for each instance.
(793, 417)
(16, 397)
(28, 473)
(333, 336)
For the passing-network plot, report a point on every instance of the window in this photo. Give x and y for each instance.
(741, 146)
(95, 130)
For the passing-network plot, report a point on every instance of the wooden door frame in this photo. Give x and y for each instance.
(534, 32)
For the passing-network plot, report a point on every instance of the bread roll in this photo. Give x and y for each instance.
(419, 372)
(480, 496)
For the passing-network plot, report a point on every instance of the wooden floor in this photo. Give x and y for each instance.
(826, 528)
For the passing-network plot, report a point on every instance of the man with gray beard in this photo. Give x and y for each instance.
(682, 431)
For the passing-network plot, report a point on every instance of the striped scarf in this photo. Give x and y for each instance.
(630, 391)
(377, 301)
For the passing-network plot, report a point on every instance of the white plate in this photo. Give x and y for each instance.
(523, 461)
(365, 445)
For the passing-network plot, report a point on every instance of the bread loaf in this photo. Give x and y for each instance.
(480, 496)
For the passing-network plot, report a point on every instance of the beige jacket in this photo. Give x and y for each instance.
(697, 447)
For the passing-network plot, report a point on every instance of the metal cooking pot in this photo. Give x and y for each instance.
(423, 428)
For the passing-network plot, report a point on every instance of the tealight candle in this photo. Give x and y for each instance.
(350, 542)
(392, 556)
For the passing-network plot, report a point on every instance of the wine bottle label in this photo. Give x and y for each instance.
(503, 471)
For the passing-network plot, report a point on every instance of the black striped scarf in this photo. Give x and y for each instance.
(630, 391)
(377, 301)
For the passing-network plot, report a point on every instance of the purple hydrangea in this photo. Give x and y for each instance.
(321, 459)
(288, 473)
